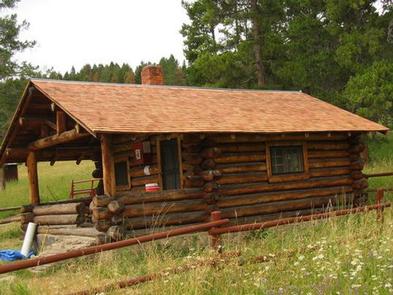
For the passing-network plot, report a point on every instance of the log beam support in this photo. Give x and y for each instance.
(53, 140)
(108, 165)
(32, 172)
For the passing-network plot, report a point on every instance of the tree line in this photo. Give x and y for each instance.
(338, 50)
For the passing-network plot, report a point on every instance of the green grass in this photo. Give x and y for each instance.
(346, 255)
(54, 182)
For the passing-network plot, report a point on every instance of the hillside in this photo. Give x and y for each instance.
(347, 255)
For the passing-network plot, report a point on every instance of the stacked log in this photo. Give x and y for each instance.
(132, 210)
(360, 183)
(244, 191)
(59, 214)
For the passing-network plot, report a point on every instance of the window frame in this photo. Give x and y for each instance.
(287, 176)
(159, 162)
(127, 186)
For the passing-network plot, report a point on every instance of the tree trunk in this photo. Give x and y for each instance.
(256, 30)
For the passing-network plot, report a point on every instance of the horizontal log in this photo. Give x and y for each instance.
(328, 154)
(193, 181)
(239, 158)
(163, 208)
(356, 174)
(277, 207)
(208, 164)
(243, 178)
(357, 165)
(251, 199)
(210, 153)
(333, 162)
(258, 147)
(128, 198)
(330, 171)
(357, 148)
(138, 181)
(53, 140)
(139, 171)
(67, 230)
(165, 220)
(252, 137)
(274, 216)
(239, 168)
(70, 208)
(328, 145)
(192, 158)
(59, 219)
(11, 219)
(360, 184)
(238, 189)
(209, 175)
(60, 154)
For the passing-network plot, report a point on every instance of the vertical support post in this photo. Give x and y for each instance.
(2, 179)
(379, 200)
(108, 165)
(60, 122)
(32, 173)
(215, 240)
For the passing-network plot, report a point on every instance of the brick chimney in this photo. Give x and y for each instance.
(152, 75)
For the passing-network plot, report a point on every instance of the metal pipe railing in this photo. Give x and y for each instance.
(110, 246)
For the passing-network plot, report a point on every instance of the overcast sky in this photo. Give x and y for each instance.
(76, 32)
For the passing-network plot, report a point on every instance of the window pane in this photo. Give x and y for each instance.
(121, 173)
(286, 159)
(170, 164)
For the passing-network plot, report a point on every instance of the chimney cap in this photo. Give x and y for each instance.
(152, 75)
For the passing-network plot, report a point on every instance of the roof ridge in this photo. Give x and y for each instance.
(163, 86)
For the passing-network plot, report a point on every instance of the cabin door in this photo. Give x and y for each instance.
(170, 164)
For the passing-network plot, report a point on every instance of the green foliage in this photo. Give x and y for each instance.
(10, 93)
(370, 93)
(316, 46)
(10, 43)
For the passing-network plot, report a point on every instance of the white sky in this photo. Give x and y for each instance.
(76, 32)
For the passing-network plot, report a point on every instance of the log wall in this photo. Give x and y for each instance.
(228, 172)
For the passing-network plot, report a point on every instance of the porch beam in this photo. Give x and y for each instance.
(56, 139)
(32, 174)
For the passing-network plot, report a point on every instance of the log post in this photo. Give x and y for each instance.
(31, 163)
(108, 166)
(61, 121)
(2, 180)
(215, 240)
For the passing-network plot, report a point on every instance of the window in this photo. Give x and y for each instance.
(121, 174)
(286, 159)
(170, 166)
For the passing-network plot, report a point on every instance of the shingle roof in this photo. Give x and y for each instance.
(129, 108)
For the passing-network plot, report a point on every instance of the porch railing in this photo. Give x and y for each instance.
(90, 190)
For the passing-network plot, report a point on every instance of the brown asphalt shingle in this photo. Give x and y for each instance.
(133, 108)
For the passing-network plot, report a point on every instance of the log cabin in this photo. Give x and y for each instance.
(168, 155)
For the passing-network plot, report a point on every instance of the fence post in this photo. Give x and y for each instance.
(215, 240)
(379, 200)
